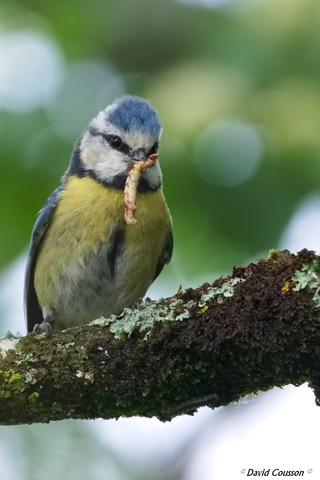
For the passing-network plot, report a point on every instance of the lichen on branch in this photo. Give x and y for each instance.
(253, 330)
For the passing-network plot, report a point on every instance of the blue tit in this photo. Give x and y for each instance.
(84, 260)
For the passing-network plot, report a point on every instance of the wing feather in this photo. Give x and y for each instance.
(33, 313)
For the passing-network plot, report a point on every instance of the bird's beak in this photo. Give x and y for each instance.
(138, 155)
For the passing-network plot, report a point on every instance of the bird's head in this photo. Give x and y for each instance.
(127, 131)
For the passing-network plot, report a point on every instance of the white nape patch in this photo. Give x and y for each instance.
(106, 162)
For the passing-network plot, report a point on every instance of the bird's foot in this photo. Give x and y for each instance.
(43, 327)
(139, 303)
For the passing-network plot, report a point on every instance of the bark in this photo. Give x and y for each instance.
(251, 331)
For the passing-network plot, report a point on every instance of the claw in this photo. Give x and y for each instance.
(43, 327)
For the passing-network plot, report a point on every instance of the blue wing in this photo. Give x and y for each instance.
(32, 308)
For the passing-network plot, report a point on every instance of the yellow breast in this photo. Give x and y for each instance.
(84, 219)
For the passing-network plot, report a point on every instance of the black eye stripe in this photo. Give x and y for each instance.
(116, 142)
(121, 147)
(154, 148)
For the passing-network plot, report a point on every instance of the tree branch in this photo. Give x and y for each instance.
(249, 332)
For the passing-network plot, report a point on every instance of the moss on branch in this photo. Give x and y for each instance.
(256, 329)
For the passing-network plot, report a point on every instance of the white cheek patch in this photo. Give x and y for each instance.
(98, 156)
(111, 165)
(91, 150)
(108, 163)
(153, 176)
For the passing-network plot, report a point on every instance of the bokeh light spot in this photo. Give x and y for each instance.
(303, 229)
(32, 78)
(88, 87)
(228, 153)
(191, 95)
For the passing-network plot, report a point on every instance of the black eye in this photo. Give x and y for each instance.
(154, 148)
(115, 141)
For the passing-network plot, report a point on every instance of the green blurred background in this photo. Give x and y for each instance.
(237, 90)
(236, 85)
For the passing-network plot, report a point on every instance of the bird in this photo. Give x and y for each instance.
(84, 260)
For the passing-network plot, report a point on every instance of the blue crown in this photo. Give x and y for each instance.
(130, 114)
